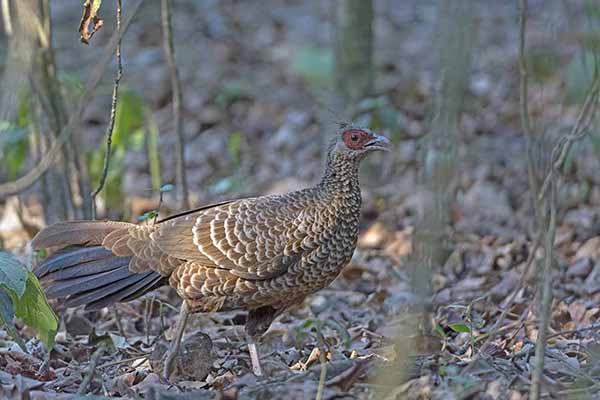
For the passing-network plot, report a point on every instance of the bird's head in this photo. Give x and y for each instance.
(355, 142)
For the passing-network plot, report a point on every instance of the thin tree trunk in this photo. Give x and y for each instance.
(454, 43)
(353, 56)
(181, 179)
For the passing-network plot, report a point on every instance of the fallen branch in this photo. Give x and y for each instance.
(572, 331)
(123, 361)
(113, 113)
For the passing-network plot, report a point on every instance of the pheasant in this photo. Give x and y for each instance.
(261, 254)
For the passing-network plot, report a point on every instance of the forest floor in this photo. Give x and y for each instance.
(250, 75)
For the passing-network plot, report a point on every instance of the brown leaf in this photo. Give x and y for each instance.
(401, 244)
(89, 16)
(577, 311)
(374, 236)
(589, 249)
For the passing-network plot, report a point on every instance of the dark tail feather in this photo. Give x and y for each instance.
(72, 257)
(149, 282)
(93, 276)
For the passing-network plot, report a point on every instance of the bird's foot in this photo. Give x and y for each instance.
(256, 368)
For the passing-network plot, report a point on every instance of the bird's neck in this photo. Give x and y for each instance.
(340, 177)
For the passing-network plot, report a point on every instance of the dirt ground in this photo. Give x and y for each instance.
(253, 71)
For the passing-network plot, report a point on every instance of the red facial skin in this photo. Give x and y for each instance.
(355, 139)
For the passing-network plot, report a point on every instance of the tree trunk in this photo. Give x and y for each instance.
(353, 55)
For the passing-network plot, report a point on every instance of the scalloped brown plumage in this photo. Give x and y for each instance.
(261, 254)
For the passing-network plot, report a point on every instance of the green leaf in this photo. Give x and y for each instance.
(33, 309)
(167, 188)
(224, 185)
(96, 5)
(129, 118)
(235, 146)
(153, 151)
(13, 274)
(7, 310)
(7, 314)
(13, 147)
(460, 328)
(148, 215)
(440, 331)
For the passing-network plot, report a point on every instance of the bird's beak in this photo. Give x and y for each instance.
(378, 142)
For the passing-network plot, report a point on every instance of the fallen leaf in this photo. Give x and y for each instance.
(90, 11)
(577, 311)
(374, 236)
(590, 249)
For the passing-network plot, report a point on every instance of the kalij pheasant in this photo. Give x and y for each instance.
(260, 254)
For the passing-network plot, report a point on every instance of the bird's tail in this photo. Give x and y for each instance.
(82, 271)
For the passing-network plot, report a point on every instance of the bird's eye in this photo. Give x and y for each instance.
(354, 138)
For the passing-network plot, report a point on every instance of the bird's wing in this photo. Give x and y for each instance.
(135, 241)
(257, 238)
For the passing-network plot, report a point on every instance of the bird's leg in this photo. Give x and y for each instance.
(252, 349)
(184, 312)
(258, 322)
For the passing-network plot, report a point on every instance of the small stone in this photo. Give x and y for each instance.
(318, 304)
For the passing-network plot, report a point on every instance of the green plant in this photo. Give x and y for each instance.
(14, 138)
(22, 296)
(128, 133)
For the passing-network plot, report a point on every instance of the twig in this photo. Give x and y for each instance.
(572, 331)
(160, 201)
(323, 362)
(584, 119)
(177, 101)
(542, 224)
(91, 370)
(523, 95)
(125, 360)
(24, 182)
(118, 322)
(546, 273)
(147, 314)
(113, 113)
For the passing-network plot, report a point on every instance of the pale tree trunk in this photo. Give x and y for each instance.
(454, 36)
(353, 55)
(453, 47)
(24, 66)
(353, 59)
